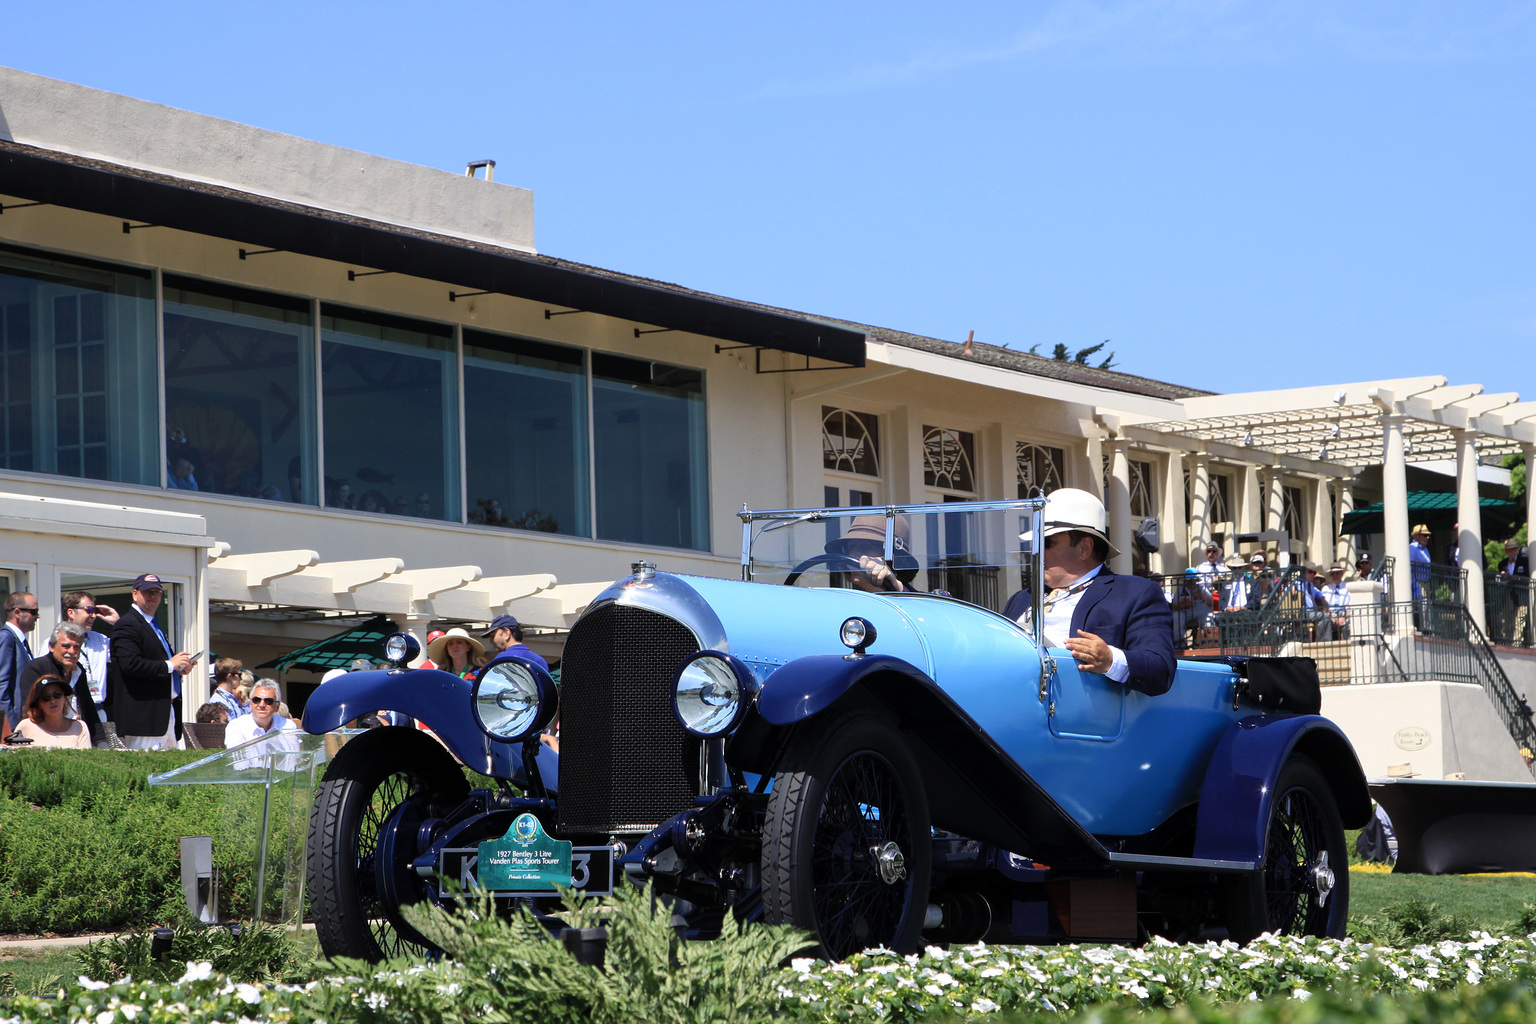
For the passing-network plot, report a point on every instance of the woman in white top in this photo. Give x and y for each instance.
(45, 724)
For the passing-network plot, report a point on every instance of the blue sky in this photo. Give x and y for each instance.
(1236, 195)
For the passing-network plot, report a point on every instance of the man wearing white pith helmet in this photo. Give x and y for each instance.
(1118, 626)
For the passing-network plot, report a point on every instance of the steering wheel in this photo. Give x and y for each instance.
(828, 558)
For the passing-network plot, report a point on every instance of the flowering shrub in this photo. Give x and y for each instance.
(1287, 981)
(880, 985)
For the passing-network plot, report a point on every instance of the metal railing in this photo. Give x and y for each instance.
(1507, 609)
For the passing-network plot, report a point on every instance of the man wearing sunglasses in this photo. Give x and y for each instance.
(81, 609)
(262, 721)
(15, 652)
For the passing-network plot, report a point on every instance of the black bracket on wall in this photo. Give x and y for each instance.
(353, 275)
(18, 206)
(256, 252)
(656, 330)
(130, 228)
(548, 313)
(456, 296)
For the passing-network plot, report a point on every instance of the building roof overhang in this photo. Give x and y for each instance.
(1341, 424)
(150, 197)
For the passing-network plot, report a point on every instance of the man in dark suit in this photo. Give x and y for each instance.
(1118, 626)
(145, 693)
(15, 652)
(1515, 575)
(64, 660)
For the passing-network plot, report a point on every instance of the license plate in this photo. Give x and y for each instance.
(591, 870)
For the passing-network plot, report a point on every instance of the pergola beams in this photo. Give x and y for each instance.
(299, 579)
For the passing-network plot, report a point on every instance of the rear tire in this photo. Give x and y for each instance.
(1303, 886)
(368, 779)
(847, 847)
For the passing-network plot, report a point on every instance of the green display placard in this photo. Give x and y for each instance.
(524, 860)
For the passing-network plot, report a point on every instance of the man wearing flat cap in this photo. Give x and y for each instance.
(506, 635)
(145, 695)
(1117, 626)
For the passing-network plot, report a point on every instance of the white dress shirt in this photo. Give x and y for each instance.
(1058, 624)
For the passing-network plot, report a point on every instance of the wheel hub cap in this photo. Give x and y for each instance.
(892, 865)
(1322, 878)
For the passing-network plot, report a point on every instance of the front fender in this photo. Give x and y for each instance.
(974, 787)
(1239, 782)
(440, 701)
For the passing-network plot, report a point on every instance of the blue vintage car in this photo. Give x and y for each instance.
(879, 766)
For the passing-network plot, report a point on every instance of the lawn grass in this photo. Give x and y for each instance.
(1491, 903)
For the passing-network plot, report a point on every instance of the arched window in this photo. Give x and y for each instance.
(1039, 468)
(948, 459)
(850, 441)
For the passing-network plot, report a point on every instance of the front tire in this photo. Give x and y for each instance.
(368, 780)
(1302, 887)
(847, 847)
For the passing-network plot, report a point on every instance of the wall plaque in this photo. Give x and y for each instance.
(1412, 737)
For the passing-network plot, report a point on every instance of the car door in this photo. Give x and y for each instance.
(1088, 705)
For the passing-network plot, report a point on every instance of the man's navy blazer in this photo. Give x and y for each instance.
(1127, 612)
(13, 658)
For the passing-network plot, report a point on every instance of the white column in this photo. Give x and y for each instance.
(1119, 504)
(1320, 543)
(417, 625)
(1469, 510)
(1345, 551)
(1091, 473)
(1394, 505)
(1175, 540)
(1530, 491)
(1274, 511)
(1248, 517)
(1199, 501)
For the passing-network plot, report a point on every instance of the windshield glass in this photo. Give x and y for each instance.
(974, 551)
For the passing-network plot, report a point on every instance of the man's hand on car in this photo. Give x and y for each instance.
(1091, 652)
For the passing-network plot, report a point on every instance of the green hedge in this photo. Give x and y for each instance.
(87, 845)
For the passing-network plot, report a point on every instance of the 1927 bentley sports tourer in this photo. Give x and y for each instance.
(880, 767)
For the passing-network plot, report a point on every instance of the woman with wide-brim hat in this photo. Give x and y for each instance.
(865, 543)
(457, 652)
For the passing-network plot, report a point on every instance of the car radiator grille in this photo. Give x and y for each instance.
(625, 764)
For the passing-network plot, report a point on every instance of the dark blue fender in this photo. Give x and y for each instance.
(974, 787)
(1239, 782)
(439, 700)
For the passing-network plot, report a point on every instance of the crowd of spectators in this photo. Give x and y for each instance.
(1219, 597)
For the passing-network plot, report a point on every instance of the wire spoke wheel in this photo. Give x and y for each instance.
(374, 777)
(1302, 887)
(846, 845)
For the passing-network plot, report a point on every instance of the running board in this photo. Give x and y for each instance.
(1153, 862)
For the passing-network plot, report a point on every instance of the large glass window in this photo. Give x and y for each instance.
(239, 391)
(391, 414)
(525, 434)
(649, 451)
(78, 389)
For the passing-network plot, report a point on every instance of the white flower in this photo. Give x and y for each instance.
(802, 964)
(1418, 983)
(91, 985)
(933, 990)
(104, 1017)
(376, 1000)
(250, 993)
(1301, 994)
(984, 1005)
(993, 972)
(936, 953)
(197, 970)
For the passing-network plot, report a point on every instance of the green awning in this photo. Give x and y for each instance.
(1438, 511)
(339, 651)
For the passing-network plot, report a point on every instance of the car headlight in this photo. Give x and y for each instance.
(400, 649)
(857, 633)
(710, 693)
(514, 700)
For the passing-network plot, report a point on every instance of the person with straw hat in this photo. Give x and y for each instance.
(1118, 626)
(457, 652)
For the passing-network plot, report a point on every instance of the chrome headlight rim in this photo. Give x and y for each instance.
(400, 649)
(746, 692)
(538, 683)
